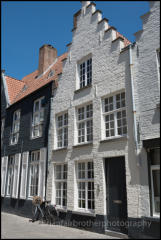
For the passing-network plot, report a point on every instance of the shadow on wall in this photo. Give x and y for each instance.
(81, 151)
(156, 116)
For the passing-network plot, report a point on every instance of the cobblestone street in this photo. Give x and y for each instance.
(16, 227)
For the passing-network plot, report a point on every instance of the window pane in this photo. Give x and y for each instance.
(58, 171)
(156, 187)
(155, 156)
(60, 121)
(36, 106)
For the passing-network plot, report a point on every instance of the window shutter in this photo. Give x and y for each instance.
(25, 158)
(3, 174)
(16, 175)
(42, 173)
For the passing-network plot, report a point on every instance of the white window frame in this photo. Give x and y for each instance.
(84, 121)
(63, 128)
(40, 117)
(113, 112)
(84, 181)
(84, 61)
(153, 168)
(15, 124)
(51, 73)
(24, 173)
(34, 164)
(61, 181)
(10, 177)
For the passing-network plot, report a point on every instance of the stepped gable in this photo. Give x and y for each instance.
(91, 6)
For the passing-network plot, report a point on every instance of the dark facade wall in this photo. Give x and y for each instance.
(25, 142)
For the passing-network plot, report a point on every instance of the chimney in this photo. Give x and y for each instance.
(47, 55)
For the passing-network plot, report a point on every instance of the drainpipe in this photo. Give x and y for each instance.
(133, 102)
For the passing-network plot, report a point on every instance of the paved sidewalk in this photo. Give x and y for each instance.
(16, 227)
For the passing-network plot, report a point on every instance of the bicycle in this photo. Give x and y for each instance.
(50, 213)
(44, 211)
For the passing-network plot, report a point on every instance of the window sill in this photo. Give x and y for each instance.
(83, 144)
(85, 213)
(60, 149)
(152, 218)
(59, 209)
(12, 144)
(32, 138)
(81, 89)
(114, 138)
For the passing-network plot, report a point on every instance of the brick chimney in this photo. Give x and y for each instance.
(47, 55)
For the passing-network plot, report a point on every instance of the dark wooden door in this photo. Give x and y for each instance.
(116, 197)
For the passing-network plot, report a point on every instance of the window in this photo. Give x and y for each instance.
(15, 127)
(2, 128)
(85, 184)
(155, 180)
(85, 123)
(85, 73)
(34, 173)
(114, 116)
(11, 163)
(38, 118)
(61, 184)
(51, 73)
(62, 130)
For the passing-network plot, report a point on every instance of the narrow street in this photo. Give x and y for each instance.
(16, 227)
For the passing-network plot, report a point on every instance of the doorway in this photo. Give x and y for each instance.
(116, 196)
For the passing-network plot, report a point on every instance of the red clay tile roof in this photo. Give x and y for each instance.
(14, 87)
(17, 89)
(126, 41)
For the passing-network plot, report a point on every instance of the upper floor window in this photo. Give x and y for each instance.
(15, 127)
(62, 130)
(85, 73)
(38, 118)
(85, 123)
(114, 116)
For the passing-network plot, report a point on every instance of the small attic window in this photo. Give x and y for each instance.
(24, 88)
(51, 73)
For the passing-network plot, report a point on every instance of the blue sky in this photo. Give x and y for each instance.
(27, 25)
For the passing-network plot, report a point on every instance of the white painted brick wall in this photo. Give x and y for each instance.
(147, 82)
(110, 74)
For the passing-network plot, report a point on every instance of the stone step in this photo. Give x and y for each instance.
(116, 234)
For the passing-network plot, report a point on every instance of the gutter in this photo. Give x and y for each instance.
(133, 100)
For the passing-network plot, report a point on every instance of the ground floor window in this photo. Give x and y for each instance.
(61, 184)
(85, 185)
(34, 173)
(155, 180)
(11, 162)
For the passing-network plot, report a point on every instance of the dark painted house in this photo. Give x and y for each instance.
(25, 116)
